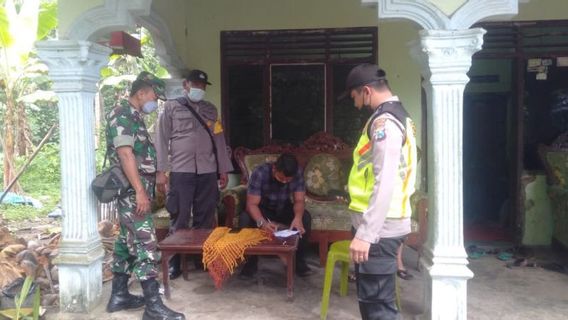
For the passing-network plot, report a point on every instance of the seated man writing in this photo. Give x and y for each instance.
(275, 200)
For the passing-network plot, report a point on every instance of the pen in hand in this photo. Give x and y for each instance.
(275, 225)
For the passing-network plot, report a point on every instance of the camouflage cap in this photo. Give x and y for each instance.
(158, 84)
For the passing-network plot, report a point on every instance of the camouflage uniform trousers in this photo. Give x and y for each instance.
(135, 249)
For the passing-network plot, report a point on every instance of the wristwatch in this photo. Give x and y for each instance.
(260, 223)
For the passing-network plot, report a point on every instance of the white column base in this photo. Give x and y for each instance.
(80, 277)
(445, 286)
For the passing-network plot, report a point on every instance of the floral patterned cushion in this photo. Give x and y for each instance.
(558, 162)
(329, 216)
(254, 160)
(559, 204)
(323, 173)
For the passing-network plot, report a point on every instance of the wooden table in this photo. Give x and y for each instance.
(190, 241)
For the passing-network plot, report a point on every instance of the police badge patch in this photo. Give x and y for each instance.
(380, 133)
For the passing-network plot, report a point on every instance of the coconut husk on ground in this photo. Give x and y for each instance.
(34, 257)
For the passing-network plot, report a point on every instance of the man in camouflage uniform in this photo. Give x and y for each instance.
(135, 250)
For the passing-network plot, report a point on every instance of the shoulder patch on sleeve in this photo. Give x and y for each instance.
(218, 127)
(379, 132)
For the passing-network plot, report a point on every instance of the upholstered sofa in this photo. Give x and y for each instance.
(555, 159)
(326, 161)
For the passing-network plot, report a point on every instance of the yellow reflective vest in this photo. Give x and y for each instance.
(362, 178)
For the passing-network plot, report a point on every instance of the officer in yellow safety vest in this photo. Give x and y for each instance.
(381, 182)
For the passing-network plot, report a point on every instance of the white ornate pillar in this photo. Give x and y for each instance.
(445, 57)
(74, 67)
(444, 53)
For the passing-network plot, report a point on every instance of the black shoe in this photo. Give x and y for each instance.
(303, 270)
(120, 298)
(174, 273)
(175, 267)
(155, 308)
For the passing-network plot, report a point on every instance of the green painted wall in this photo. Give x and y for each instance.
(543, 10)
(448, 6)
(69, 10)
(537, 228)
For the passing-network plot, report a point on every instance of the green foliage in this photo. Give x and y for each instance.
(43, 172)
(17, 213)
(126, 68)
(21, 297)
(47, 19)
(41, 119)
(22, 76)
(37, 303)
(41, 181)
(20, 312)
(101, 151)
(117, 78)
(5, 36)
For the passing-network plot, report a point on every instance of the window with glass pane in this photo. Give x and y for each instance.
(347, 120)
(246, 110)
(297, 95)
(281, 86)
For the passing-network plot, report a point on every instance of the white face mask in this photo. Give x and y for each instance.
(149, 106)
(196, 94)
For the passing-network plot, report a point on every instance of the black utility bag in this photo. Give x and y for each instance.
(110, 184)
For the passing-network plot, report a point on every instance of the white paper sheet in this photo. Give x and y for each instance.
(285, 233)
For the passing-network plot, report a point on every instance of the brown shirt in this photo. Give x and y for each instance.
(183, 145)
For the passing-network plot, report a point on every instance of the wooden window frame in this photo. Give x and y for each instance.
(262, 53)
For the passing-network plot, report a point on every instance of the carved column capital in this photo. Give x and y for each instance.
(445, 55)
(444, 15)
(73, 65)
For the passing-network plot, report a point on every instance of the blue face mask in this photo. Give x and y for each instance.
(150, 106)
(196, 94)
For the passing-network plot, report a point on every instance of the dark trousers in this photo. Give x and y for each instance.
(190, 192)
(376, 281)
(284, 217)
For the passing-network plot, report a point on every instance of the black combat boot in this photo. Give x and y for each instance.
(175, 267)
(120, 298)
(155, 308)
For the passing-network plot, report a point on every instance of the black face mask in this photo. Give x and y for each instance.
(278, 183)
